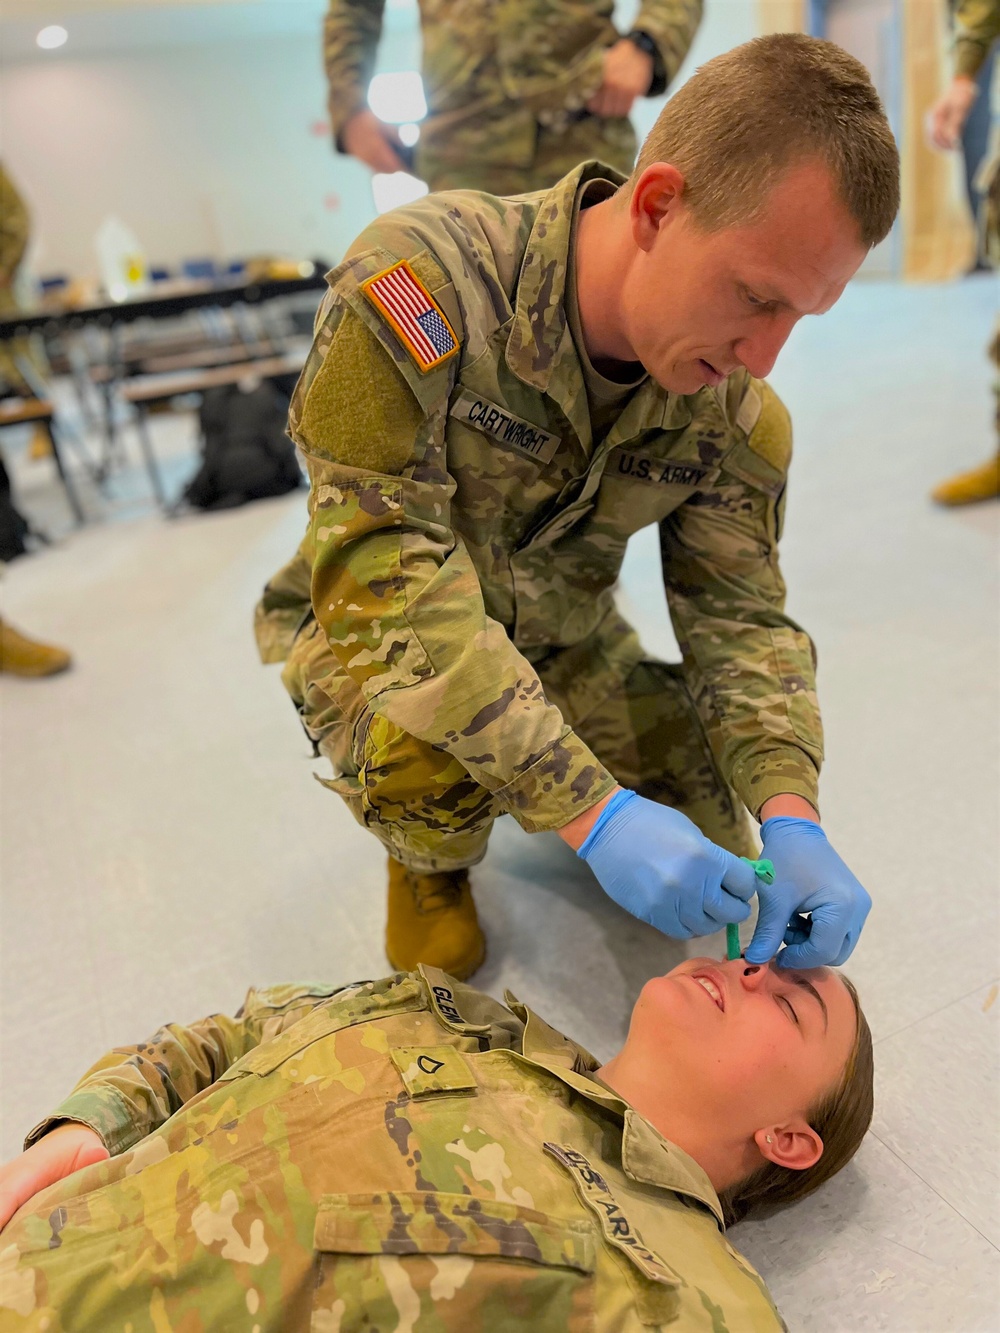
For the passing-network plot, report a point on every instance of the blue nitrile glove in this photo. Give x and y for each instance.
(658, 865)
(809, 876)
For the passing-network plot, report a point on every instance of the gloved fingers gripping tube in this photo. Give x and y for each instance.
(764, 871)
(658, 865)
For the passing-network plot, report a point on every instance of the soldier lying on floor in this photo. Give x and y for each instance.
(413, 1154)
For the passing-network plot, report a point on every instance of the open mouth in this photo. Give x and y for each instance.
(712, 376)
(712, 989)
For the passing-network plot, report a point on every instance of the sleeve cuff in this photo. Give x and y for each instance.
(969, 58)
(561, 784)
(781, 772)
(107, 1113)
(340, 114)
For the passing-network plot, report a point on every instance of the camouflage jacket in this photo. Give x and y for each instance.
(977, 26)
(543, 55)
(404, 1154)
(15, 227)
(465, 524)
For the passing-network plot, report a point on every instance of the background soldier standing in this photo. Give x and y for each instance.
(518, 93)
(543, 377)
(19, 655)
(977, 27)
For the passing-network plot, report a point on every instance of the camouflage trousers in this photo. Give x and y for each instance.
(428, 812)
(513, 153)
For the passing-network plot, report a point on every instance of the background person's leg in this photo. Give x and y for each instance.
(610, 140)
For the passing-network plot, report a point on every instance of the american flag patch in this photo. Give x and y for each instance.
(416, 318)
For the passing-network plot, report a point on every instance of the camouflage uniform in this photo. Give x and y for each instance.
(977, 27)
(506, 83)
(15, 229)
(451, 636)
(404, 1154)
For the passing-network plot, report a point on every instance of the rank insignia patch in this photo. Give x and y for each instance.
(415, 317)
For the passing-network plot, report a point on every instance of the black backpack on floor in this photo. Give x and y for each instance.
(245, 452)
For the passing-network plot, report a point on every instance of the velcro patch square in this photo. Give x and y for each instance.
(414, 316)
(430, 1069)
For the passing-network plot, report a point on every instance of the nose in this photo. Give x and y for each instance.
(753, 978)
(759, 350)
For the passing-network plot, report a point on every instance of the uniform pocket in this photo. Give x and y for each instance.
(360, 1003)
(428, 1261)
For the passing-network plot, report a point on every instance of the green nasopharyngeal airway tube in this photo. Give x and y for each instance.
(764, 871)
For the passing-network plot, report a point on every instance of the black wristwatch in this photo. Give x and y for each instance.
(644, 42)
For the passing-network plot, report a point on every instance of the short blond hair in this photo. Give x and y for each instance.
(743, 118)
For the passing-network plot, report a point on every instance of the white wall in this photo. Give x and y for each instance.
(214, 147)
(202, 150)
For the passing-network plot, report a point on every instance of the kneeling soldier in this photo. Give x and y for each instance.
(500, 393)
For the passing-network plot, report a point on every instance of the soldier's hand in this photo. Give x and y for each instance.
(372, 141)
(946, 118)
(628, 73)
(65, 1149)
(809, 878)
(660, 867)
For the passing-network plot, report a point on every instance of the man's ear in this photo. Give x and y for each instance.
(795, 1144)
(655, 200)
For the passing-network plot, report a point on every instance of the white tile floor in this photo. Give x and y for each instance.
(163, 844)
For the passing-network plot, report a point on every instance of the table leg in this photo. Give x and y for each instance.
(71, 495)
(146, 445)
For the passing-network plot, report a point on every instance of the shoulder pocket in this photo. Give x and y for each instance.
(763, 457)
(446, 1261)
(358, 1004)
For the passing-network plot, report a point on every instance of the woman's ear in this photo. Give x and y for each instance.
(794, 1145)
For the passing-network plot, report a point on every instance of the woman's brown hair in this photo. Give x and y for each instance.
(841, 1120)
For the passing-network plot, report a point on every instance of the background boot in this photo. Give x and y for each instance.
(432, 919)
(981, 483)
(40, 445)
(21, 656)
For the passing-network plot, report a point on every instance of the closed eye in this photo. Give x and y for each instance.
(782, 999)
(757, 302)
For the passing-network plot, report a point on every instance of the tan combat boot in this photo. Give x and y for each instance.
(40, 445)
(432, 919)
(22, 656)
(981, 483)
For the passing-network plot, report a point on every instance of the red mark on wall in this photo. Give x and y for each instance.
(331, 202)
(320, 128)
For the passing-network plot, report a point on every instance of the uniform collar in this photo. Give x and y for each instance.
(647, 1157)
(540, 348)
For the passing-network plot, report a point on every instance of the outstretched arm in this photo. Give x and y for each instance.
(752, 670)
(134, 1089)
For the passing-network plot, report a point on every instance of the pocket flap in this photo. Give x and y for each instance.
(424, 1222)
(348, 1008)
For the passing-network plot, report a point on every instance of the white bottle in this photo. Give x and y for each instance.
(121, 259)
